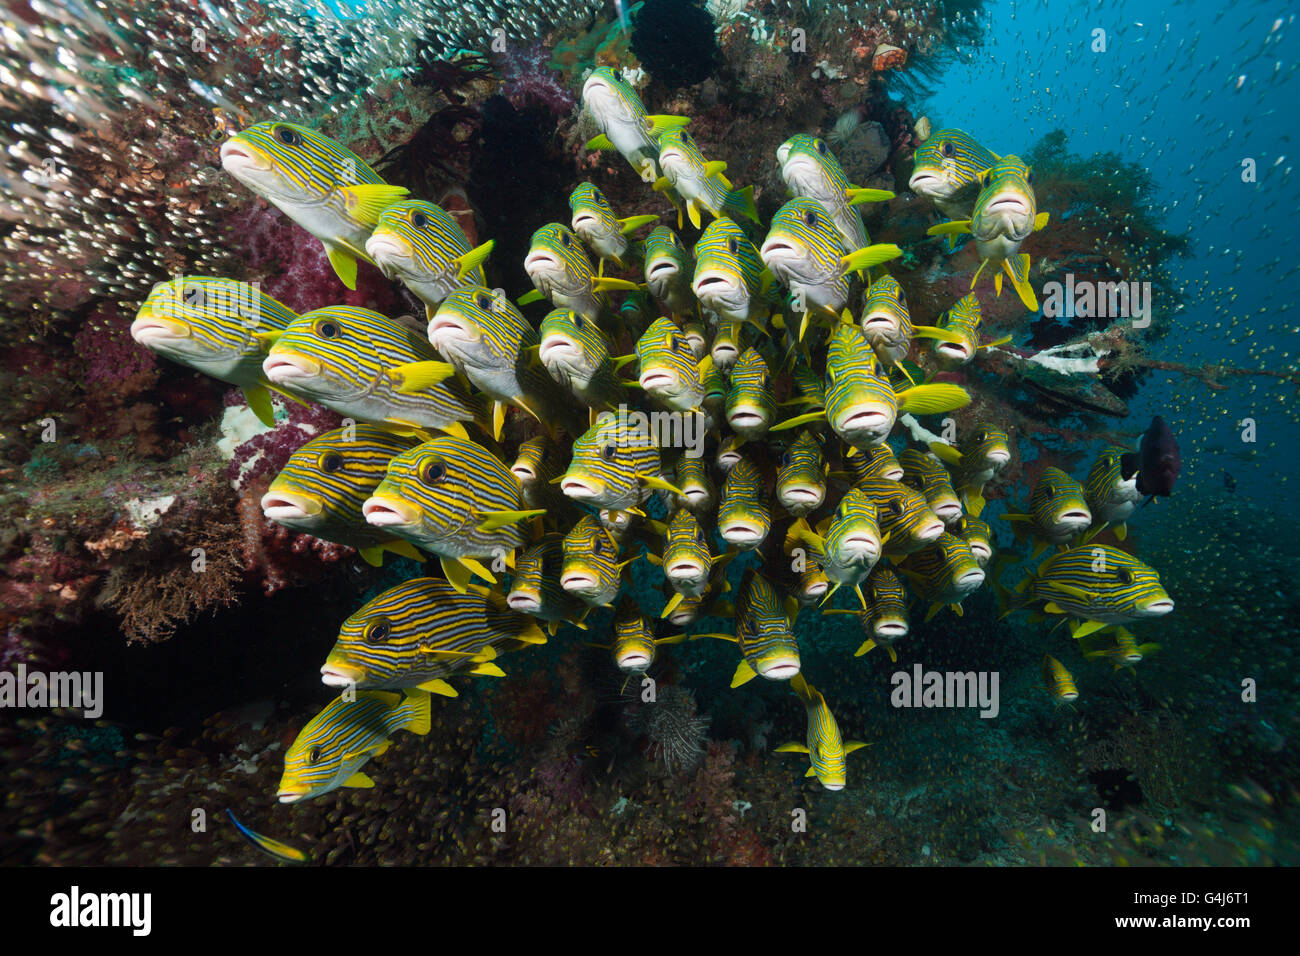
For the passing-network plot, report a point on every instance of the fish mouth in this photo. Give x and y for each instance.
(149, 329)
(861, 418)
(657, 380)
(832, 785)
(779, 249)
(931, 532)
(725, 353)
(289, 796)
(782, 669)
(386, 249)
(999, 456)
(971, 579)
(927, 183)
(524, 472)
(670, 156)
(1158, 607)
(680, 617)
(634, 662)
(948, 511)
(741, 532)
(696, 496)
(661, 268)
(816, 589)
(554, 346)
(286, 506)
(892, 630)
(577, 581)
(1075, 519)
(858, 546)
(583, 221)
(338, 675)
(522, 601)
(1011, 204)
(578, 488)
(446, 327)
(878, 320)
(746, 417)
(981, 551)
(386, 512)
(804, 494)
(953, 350)
(238, 157)
(288, 367)
(727, 460)
(541, 261)
(714, 282)
(685, 570)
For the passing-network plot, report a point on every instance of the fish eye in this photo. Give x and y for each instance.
(418, 219)
(379, 631)
(894, 507)
(598, 545)
(485, 302)
(287, 136)
(686, 138)
(331, 462)
(564, 239)
(313, 756)
(785, 458)
(1030, 178)
(329, 330)
(810, 217)
(579, 321)
(433, 472)
(608, 452)
(981, 435)
(678, 342)
(821, 147)
(902, 297)
(732, 245)
(1125, 575)
(947, 148)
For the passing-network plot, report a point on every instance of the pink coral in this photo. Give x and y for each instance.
(527, 79)
(265, 454)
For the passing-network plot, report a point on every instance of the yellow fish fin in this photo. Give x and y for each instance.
(715, 167)
(660, 123)
(1017, 267)
(1086, 628)
(529, 297)
(1040, 221)
(373, 556)
(611, 284)
(798, 420)
(456, 430)
(993, 343)
(493, 520)
(934, 398)
(852, 745)
(657, 483)
(935, 332)
(744, 674)
(870, 256)
(951, 228)
(858, 194)
(345, 266)
(633, 223)
(439, 687)
(364, 202)
(498, 419)
(487, 670)
(791, 749)
(403, 549)
(360, 781)
(416, 376)
(867, 647)
(693, 212)
(259, 400)
(601, 142)
(945, 452)
(473, 259)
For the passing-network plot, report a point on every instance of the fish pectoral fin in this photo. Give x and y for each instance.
(612, 284)
(344, 264)
(486, 670)
(867, 647)
(633, 223)
(799, 420)
(416, 376)
(945, 452)
(853, 745)
(994, 343)
(660, 123)
(530, 297)
(373, 556)
(671, 606)
(657, 483)
(473, 259)
(693, 212)
(1087, 627)
(601, 142)
(858, 194)
(934, 398)
(744, 674)
(360, 781)
(494, 520)
(811, 772)
(258, 398)
(954, 227)
(715, 636)
(266, 339)
(1040, 221)
(438, 686)
(791, 749)
(715, 167)
(870, 256)
(935, 332)
(1121, 532)
(365, 201)
(662, 185)
(1017, 267)
(498, 419)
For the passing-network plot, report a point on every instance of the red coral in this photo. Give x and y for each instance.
(281, 556)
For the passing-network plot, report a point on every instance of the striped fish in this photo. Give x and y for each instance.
(887, 324)
(322, 186)
(1111, 489)
(1005, 213)
(539, 462)
(886, 620)
(874, 461)
(861, 404)
(604, 233)
(220, 327)
(906, 522)
(962, 328)
(561, 271)
(1059, 681)
(811, 170)
(803, 250)
(763, 630)
(424, 246)
(697, 491)
(488, 341)
(688, 561)
(944, 573)
(614, 465)
(691, 609)
(744, 517)
(669, 269)
(847, 543)
(576, 353)
(751, 409)
(1119, 647)
(422, 631)
(926, 474)
(624, 126)
(331, 750)
(669, 370)
(535, 587)
(271, 847)
(1097, 585)
(725, 349)
(699, 182)
(350, 359)
(975, 461)
(634, 644)
(455, 499)
(322, 487)
(591, 569)
(801, 477)
(826, 750)
(730, 278)
(978, 536)
(946, 170)
(1058, 511)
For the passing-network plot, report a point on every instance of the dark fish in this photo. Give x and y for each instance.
(1229, 482)
(1157, 461)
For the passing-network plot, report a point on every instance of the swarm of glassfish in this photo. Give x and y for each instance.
(708, 407)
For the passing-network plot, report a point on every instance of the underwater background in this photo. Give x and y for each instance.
(1160, 147)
